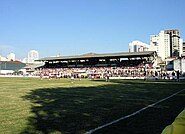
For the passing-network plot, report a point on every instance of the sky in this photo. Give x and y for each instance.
(74, 27)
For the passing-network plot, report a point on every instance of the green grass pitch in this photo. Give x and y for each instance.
(31, 105)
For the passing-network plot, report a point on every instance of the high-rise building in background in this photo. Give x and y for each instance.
(138, 46)
(160, 43)
(175, 42)
(32, 56)
(183, 48)
(11, 57)
(167, 44)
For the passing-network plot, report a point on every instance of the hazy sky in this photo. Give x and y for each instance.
(72, 27)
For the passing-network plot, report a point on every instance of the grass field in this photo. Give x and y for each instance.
(30, 105)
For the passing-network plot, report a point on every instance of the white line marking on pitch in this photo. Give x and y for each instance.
(130, 115)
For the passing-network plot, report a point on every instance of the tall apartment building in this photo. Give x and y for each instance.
(175, 42)
(32, 56)
(183, 48)
(167, 44)
(11, 56)
(138, 46)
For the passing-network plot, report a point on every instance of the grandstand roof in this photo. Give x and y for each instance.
(106, 55)
(33, 66)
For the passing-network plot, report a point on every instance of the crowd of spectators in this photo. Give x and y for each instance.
(141, 70)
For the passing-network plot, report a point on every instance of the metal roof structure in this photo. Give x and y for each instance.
(106, 55)
(11, 65)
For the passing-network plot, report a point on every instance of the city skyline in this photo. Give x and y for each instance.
(31, 56)
(78, 27)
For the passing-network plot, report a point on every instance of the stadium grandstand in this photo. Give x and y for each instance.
(92, 65)
(101, 60)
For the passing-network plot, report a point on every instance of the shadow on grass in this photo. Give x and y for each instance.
(137, 81)
(79, 109)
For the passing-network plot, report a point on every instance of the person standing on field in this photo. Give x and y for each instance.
(178, 73)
